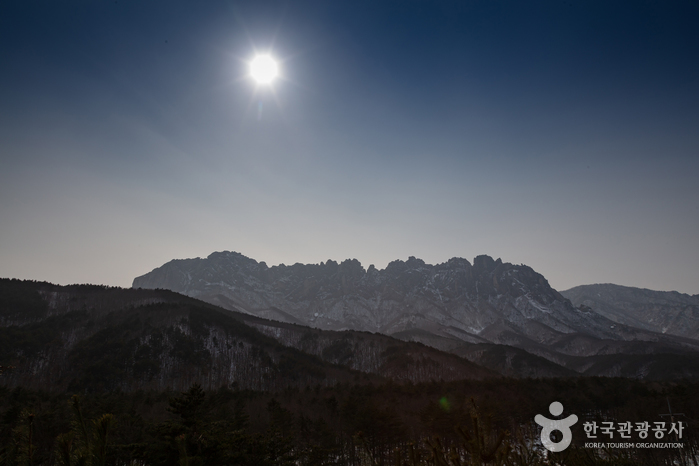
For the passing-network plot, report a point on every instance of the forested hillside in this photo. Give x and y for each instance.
(447, 423)
(96, 338)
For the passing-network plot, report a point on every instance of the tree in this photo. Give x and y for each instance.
(87, 442)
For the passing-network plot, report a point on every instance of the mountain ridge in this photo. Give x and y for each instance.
(445, 305)
(667, 312)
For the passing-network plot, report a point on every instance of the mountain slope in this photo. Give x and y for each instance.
(667, 312)
(97, 338)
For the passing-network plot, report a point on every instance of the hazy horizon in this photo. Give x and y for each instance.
(558, 135)
(364, 265)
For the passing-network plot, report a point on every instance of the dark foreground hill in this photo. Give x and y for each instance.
(86, 337)
(96, 338)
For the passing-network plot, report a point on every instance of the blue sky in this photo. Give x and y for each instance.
(559, 134)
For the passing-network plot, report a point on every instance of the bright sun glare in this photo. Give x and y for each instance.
(264, 69)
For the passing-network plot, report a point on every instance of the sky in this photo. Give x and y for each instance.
(562, 134)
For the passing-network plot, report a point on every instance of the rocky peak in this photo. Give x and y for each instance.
(485, 263)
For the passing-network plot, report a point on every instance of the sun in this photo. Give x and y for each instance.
(264, 69)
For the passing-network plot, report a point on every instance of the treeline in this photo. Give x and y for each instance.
(456, 423)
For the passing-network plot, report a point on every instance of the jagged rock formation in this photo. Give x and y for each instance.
(667, 312)
(445, 305)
